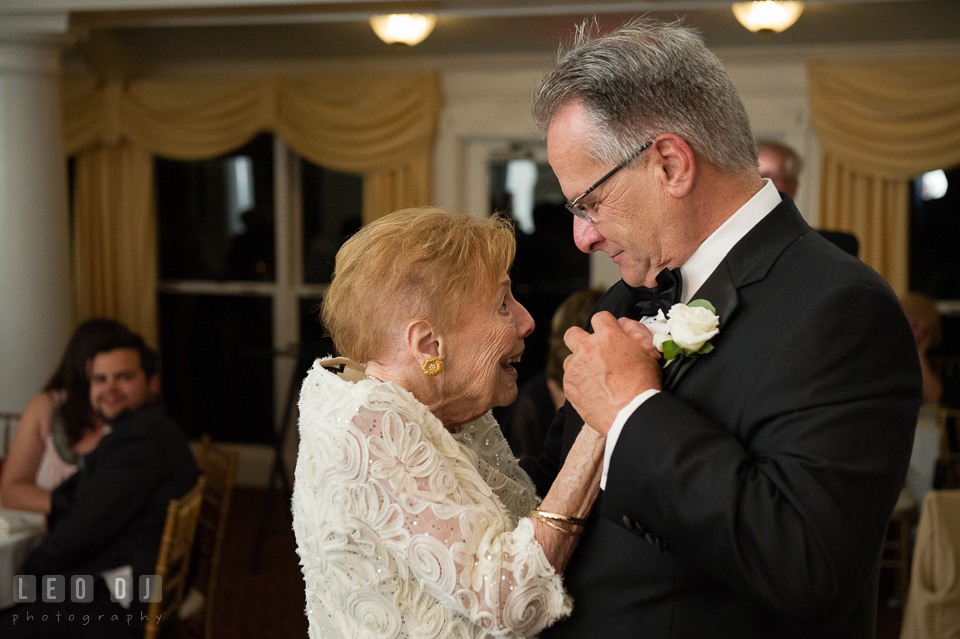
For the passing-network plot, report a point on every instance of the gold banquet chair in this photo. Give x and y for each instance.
(173, 562)
(948, 461)
(219, 467)
(896, 549)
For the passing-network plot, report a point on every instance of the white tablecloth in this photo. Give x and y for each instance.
(15, 545)
(923, 460)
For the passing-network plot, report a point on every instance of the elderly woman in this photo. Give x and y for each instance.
(412, 516)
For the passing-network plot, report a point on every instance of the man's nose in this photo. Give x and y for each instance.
(586, 235)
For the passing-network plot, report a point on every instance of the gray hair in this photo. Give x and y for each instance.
(643, 79)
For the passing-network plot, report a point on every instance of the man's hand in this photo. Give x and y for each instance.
(608, 368)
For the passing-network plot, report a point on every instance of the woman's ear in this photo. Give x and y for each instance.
(677, 165)
(424, 341)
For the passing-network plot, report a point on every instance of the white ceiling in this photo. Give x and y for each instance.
(124, 42)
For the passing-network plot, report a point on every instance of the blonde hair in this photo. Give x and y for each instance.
(418, 263)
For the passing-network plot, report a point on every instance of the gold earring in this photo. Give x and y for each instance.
(433, 366)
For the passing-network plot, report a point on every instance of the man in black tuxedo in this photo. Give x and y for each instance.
(747, 490)
(107, 519)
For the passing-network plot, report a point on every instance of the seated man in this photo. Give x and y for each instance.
(107, 519)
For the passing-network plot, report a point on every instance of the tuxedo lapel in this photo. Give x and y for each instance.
(719, 290)
(749, 261)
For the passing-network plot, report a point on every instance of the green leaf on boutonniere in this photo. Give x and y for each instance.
(705, 304)
(706, 348)
(670, 351)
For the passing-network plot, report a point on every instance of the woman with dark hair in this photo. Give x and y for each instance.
(57, 425)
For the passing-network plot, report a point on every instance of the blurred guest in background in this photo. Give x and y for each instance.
(57, 425)
(107, 519)
(925, 322)
(781, 164)
(525, 423)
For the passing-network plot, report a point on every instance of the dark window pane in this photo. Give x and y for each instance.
(549, 266)
(934, 238)
(332, 211)
(313, 340)
(215, 217)
(217, 358)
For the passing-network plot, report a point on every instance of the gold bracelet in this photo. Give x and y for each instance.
(575, 533)
(540, 514)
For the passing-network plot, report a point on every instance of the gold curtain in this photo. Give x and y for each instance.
(380, 126)
(881, 124)
(115, 238)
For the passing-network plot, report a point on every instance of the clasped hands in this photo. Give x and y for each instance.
(608, 368)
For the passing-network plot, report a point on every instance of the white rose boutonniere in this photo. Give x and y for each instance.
(690, 327)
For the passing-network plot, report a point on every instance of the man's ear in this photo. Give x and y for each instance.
(155, 384)
(677, 165)
(424, 341)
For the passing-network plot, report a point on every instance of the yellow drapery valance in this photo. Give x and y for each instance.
(380, 126)
(881, 124)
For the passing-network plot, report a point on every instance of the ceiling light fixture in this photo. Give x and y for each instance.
(768, 15)
(403, 28)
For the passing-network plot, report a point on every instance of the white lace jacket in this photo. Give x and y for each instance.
(405, 530)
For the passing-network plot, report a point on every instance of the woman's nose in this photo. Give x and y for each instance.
(525, 321)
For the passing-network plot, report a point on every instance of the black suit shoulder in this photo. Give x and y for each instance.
(112, 512)
(751, 497)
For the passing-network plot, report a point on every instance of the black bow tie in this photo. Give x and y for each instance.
(661, 297)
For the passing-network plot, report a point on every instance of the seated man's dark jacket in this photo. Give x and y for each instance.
(112, 512)
(751, 498)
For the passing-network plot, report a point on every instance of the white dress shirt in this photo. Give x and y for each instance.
(695, 272)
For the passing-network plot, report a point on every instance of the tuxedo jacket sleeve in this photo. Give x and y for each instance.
(112, 511)
(769, 467)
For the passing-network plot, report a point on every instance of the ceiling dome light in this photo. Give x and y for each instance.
(768, 15)
(403, 28)
(933, 185)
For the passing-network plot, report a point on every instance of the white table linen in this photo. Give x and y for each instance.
(20, 532)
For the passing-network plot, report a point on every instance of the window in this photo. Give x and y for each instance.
(246, 246)
(935, 265)
(935, 234)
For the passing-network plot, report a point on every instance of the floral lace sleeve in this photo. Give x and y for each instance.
(395, 518)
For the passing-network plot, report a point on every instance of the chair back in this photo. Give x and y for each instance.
(948, 459)
(933, 602)
(173, 562)
(219, 467)
(8, 424)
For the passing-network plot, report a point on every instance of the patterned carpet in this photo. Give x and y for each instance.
(269, 603)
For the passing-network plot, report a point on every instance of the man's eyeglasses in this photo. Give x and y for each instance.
(582, 210)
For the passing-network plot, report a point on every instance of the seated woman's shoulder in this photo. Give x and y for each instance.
(38, 411)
